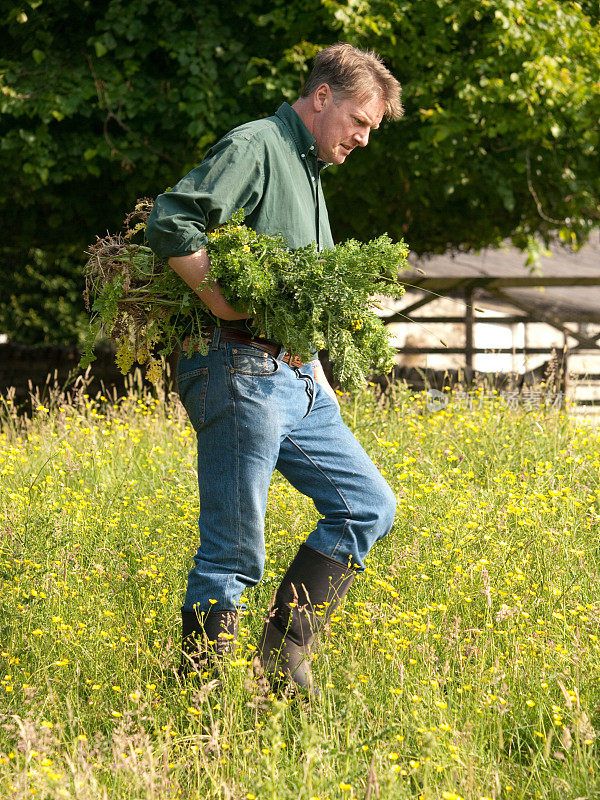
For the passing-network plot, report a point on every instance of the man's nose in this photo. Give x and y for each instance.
(362, 138)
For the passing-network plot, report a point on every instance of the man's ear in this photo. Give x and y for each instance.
(321, 97)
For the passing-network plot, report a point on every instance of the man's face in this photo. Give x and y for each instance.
(342, 124)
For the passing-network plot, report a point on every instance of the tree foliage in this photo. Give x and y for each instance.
(500, 137)
(108, 101)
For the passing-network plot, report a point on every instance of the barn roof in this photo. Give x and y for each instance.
(569, 302)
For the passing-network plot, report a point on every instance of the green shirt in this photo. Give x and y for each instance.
(268, 167)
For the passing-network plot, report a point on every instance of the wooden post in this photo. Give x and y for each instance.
(564, 383)
(469, 334)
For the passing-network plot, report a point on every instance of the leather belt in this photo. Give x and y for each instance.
(238, 336)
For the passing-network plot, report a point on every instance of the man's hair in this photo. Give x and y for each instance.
(351, 72)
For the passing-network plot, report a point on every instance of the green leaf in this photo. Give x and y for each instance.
(100, 48)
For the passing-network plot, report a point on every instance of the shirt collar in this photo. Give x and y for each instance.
(303, 139)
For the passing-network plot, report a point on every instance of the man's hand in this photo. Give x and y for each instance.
(323, 382)
(195, 271)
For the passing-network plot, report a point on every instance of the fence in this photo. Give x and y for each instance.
(574, 340)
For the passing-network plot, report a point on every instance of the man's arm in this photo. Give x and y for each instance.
(230, 178)
(194, 269)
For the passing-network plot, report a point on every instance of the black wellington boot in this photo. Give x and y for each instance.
(207, 637)
(311, 590)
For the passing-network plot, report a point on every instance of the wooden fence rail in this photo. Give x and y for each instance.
(530, 312)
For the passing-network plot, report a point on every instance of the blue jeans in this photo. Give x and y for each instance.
(252, 413)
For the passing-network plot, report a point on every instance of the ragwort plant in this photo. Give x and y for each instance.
(463, 664)
(304, 299)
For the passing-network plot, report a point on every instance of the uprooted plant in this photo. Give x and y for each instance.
(305, 299)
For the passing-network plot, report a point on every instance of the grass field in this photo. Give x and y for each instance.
(465, 662)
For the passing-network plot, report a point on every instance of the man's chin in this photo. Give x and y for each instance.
(335, 157)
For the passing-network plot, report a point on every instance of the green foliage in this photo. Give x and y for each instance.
(500, 136)
(308, 299)
(41, 298)
(304, 299)
(103, 103)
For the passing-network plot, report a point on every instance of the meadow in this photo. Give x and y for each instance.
(465, 662)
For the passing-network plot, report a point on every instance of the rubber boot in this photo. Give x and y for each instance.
(207, 637)
(311, 590)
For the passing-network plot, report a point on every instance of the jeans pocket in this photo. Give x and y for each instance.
(192, 388)
(252, 361)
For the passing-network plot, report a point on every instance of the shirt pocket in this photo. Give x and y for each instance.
(252, 361)
(193, 387)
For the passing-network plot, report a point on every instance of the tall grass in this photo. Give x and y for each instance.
(465, 662)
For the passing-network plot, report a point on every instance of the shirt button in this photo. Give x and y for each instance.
(302, 155)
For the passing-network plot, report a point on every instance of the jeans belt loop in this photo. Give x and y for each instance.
(216, 338)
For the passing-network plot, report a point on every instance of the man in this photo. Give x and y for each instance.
(254, 408)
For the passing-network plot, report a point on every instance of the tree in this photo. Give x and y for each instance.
(108, 101)
(500, 137)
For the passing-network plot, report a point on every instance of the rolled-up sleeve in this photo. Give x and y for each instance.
(230, 177)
